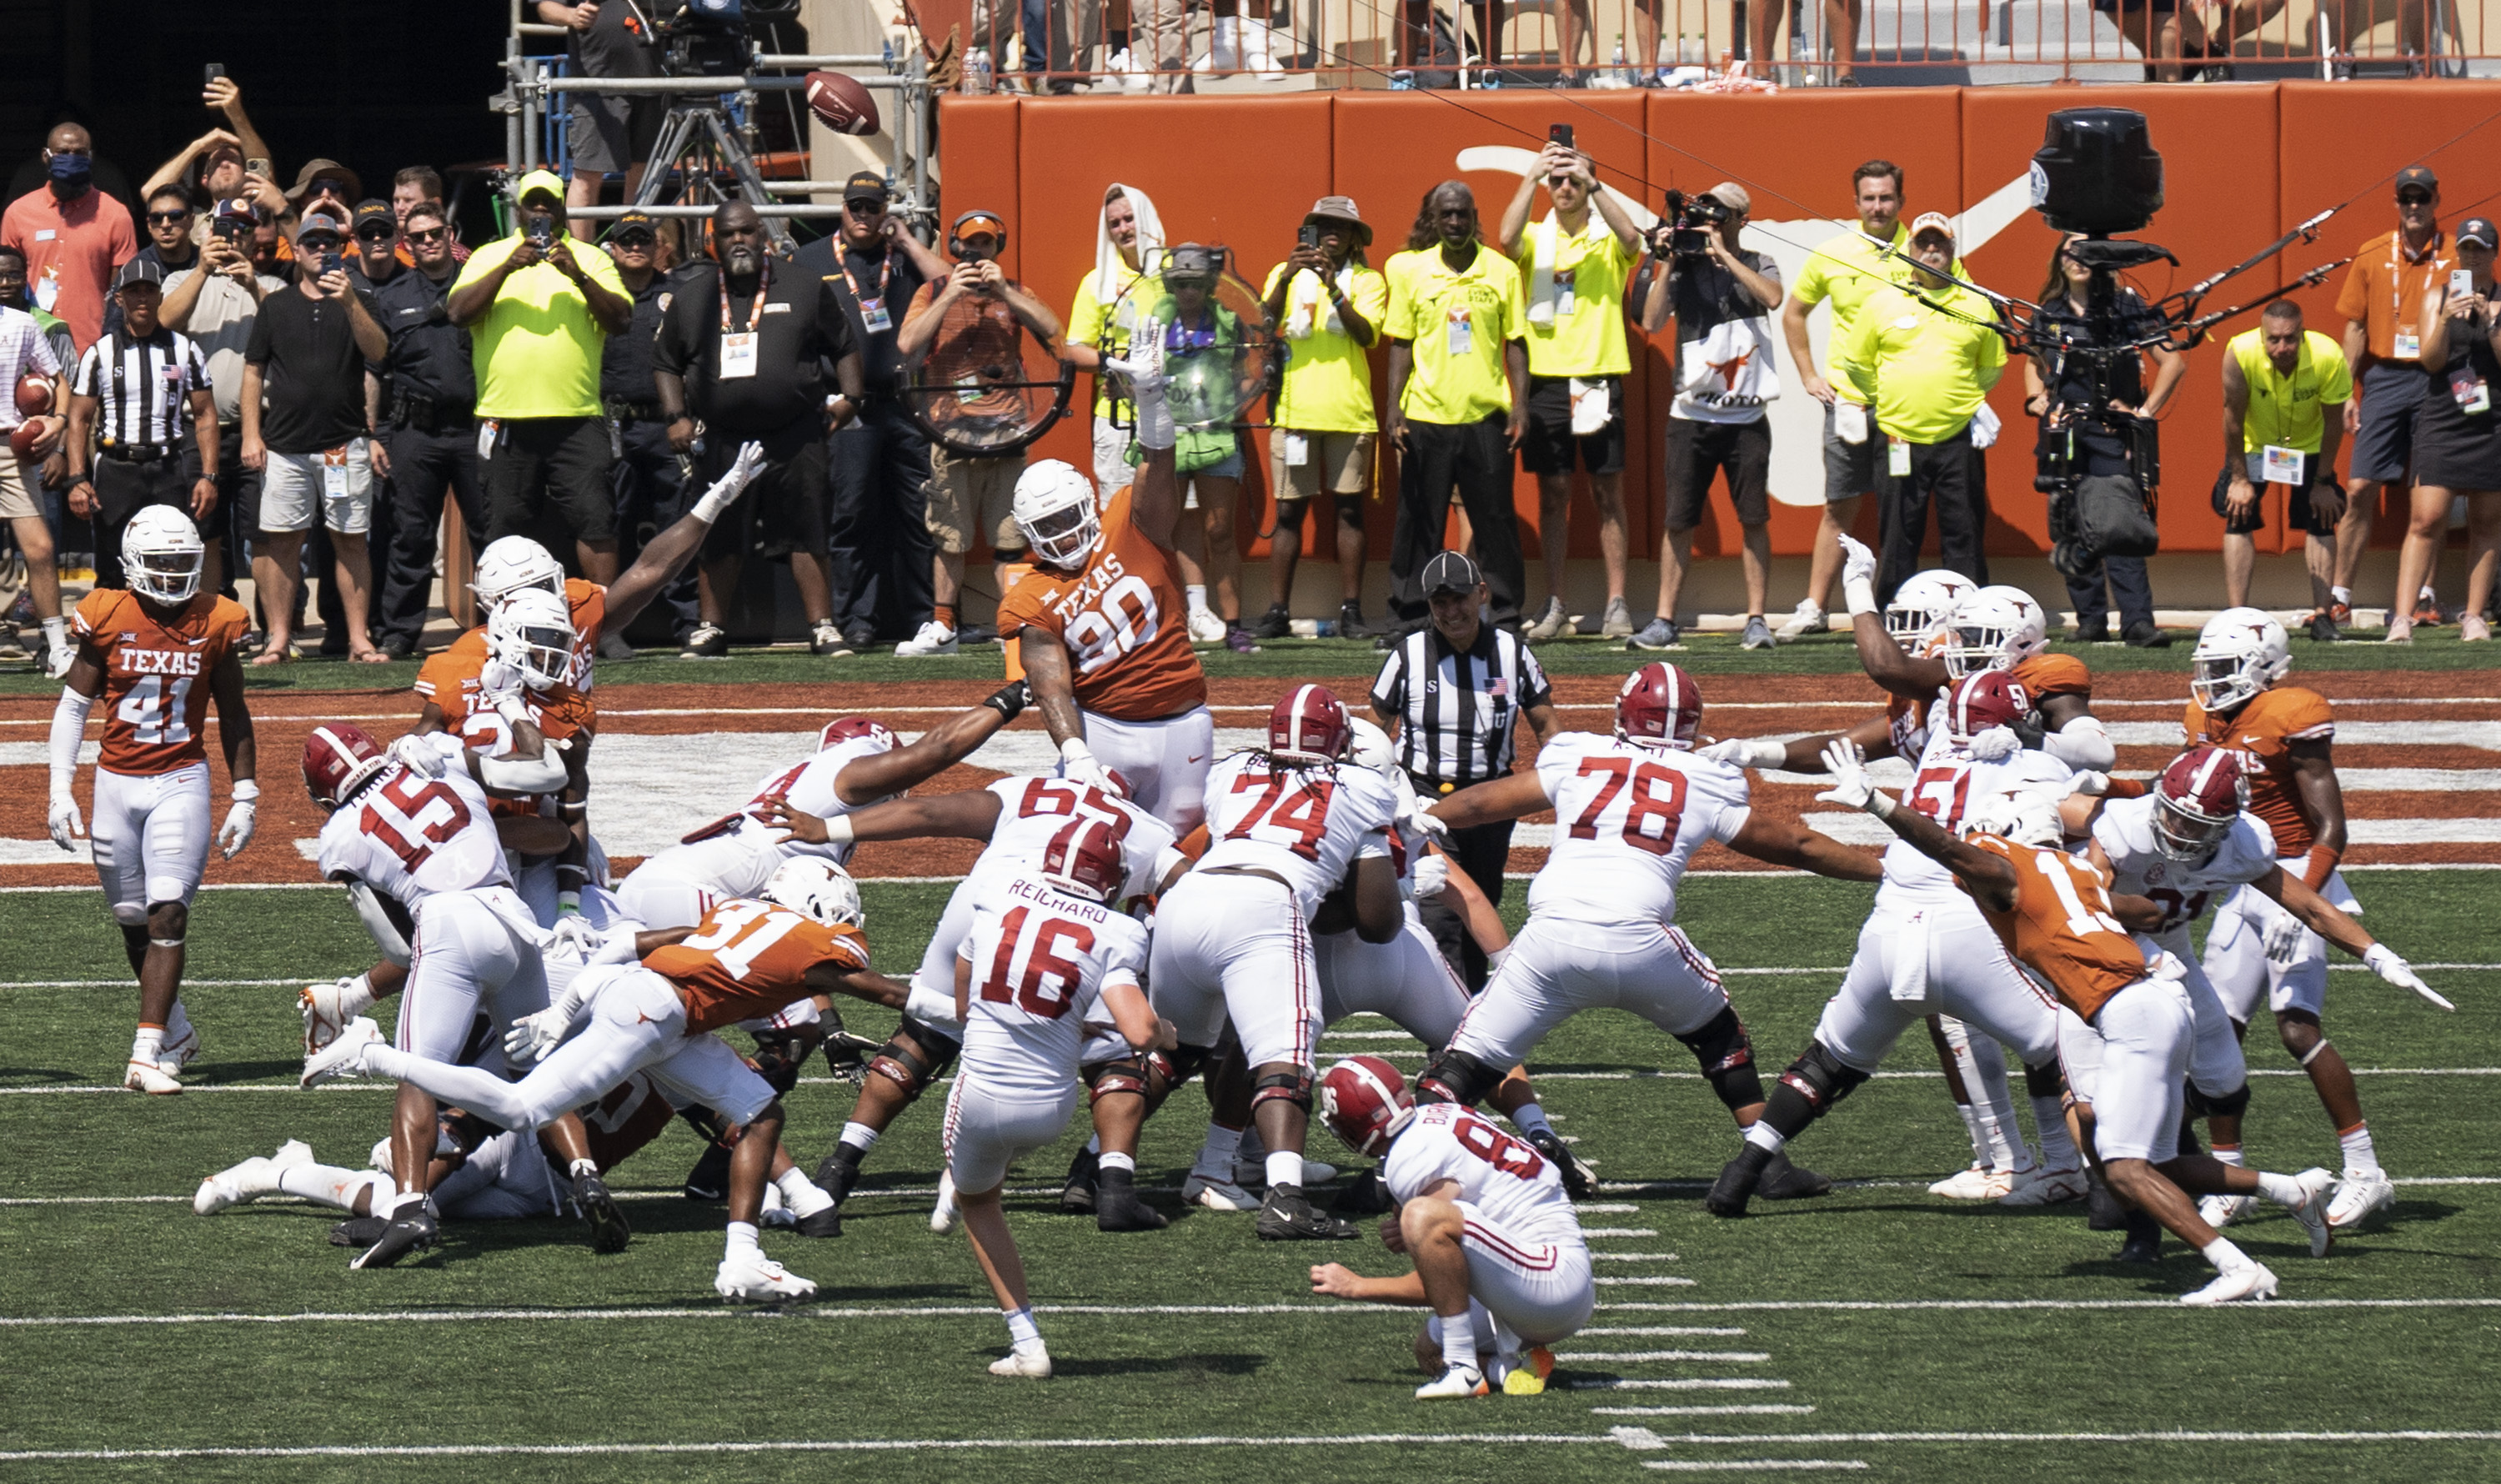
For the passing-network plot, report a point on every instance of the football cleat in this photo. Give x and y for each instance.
(1738, 1181)
(709, 1180)
(2144, 1242)
(176, 1055)
(1577, 1179)
(1216, 1194)
(2316, 1187)
(1453, 1381)
(1253, 1174)
(594, 1204)
(1363, 1195)
(1117, 1206)
(1077, 1196)
(1785, 1181)
(2358, 1198)
(942, 1215)
(825, 1222)
(2220, 1211)
(415, 1233)
(360, 1231)
(327, 1008)
(1970, 1183)
(838, 1172)
(1287, 1216)
(748, 1276)
(2040, 1186)
(345, 1056)
(2250, 1284)
(247, 1182)
(1032, 1364)
(149, 1077)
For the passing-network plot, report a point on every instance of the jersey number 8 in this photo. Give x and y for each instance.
(1498, 1148)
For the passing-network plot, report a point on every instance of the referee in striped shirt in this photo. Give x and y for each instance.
(127, 402)
(1451, 694)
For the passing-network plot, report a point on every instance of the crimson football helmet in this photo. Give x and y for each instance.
(339, 759)
(1084, 862)
(1364, 1100)
(1983, 699)
(1310, 726)
(850, 729)
(1659, 706)
(2197, 800)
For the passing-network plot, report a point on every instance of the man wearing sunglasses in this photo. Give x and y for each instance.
(426, 437)
(169, 246)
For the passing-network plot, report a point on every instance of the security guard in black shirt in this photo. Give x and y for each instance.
(426, 437)
(649, 477)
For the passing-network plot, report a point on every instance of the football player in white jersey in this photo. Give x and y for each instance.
(1498, 1253)
(1630, 811)
(1049, 947)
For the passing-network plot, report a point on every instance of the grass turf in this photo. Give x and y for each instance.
(831, 1371)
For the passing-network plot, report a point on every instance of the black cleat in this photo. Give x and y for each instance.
(1077, 1196)
(1364, 1195)
(594, 1204)
(1117, 1206)
(360, 1231)
(839, 1172)
(1738, 1181)
(2104, 1211)
(2144, 1242)
(1576, 1175)
(709, 1180)
(414, 1233)
(1287, 1216)
(1785, 1181)
(825, 1222)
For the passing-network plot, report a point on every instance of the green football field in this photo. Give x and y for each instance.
(1876, 1332)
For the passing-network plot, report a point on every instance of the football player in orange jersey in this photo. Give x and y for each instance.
(156, 653)
(2125, 1024)
(2256, 947)
(1100, 625)
(746, 957)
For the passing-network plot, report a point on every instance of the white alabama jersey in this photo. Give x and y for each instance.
(411, 837)
(1033, 812)
(1947, 780)
(1040, 960)
(745, 854)
(1497, 1173)
(2182, 890)
(1627, 819)
(1307, 825)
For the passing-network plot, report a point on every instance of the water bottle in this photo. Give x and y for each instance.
(977, 69)
(1622, 75)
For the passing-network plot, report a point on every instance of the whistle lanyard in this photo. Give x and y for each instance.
(2397, 276)
(754, 307)
(885, 274)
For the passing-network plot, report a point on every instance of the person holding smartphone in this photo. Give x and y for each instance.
(2457, 438)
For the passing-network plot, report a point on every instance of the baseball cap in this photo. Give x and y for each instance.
(1450, 572)
(864, 184)
(238, 210)
(1339, 209)
(2481, 230)
(1933, 221)
(373, 213)
(539, 182)
(1733, 197)
(139, 270)
(634, 223)
(329, 170)
(980, 223)
(318, 222)
(2419, 174)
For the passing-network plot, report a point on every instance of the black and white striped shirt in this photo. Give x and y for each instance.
(144, 386)
(1458, 708)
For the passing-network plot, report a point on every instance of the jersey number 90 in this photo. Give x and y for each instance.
(1123, 617)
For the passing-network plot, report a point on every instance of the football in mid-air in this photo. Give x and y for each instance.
(840, 102)
(34, 395)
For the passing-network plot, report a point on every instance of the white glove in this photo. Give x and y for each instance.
(1851, 789)
(726, 489)
(1857, 575)
(1079, 764)
(1994, 744)
(57, 666)
(1747, 752)
(2382, 960)
(1143, 360)
(2283, 937)
(2090, 784)
(420, 754)
(1432, 873)
(1433, 828)
(533, 1036)
(240, 819)
(499, 681)
(65, 822)
(572, 931)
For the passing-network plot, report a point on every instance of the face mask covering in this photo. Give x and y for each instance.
(71, 174)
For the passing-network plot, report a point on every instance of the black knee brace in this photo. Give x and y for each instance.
(1104, 1079)
(901, 1061)
(1728, 1058)
(1294, 1087)
(1455, 1076)
(1169, 1069)
(2231, 1104)
(1822, 1079)
(2046, 1080)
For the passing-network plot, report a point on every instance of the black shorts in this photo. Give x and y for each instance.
(1551, 443)
(1696, 451)
(2383, 444)
(543, 462)
(1849, 468)
(2297, 512)
(784, 509)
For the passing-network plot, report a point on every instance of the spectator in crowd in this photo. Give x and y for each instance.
(24, 351)
(2284, 393)
(411, 188)
(538, 315)
(2457, 446)
(73, 236)
(1923, 357)
(745, 355)
(14, 295)
(1722, 298)
(879, 458)
(610, 133)
(649, 480)
(373, 262)
(215, 301)
(2056, 382)
(972, 326)
(1573, 268)
(1846, 270)
(2381, 296)
(126, 404)
(376, 260)
(304, 428)
(1459, 398)
(224, 163)
(168, 223)
(36, 168)
(1451, 693)
(1208, 458)
(428, 442)
(1129, 239)
(1329, 304)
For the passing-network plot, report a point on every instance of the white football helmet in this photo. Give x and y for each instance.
(514, 562)
(2240, 653)
(1996, 627)
(2023, 813)
(1923, 605)
(533, 631)
(817, 888)
(161, 555)
(1054, 507)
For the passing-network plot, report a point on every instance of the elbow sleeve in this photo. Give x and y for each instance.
(2082, 743)
(543, 774)
(69, 729)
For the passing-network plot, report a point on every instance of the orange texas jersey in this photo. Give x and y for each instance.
(2049, 675)
(748, 958)
(1123, 621)
(449, 680)
(589, 604)
(2265, 728)
(157, 675)
(2062, 926)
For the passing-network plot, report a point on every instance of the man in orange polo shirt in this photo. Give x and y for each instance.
(74, 236)
(2382, 298)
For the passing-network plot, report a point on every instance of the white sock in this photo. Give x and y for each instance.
(330, 1186)
(742, 1238)
(1218, 1151)
(1762, 1135)
(859, 1136)
(1094, 1145)
(1197, 599)
(2344, 595)
(1285, 1168)
(2359, 1158)
(1985, 1071)
(2228, 1154)
(148, 1044)
(804, 1196)
(1125, 1161)
(56, 632)
(1022, 1333)
(409, 1203)
(1529, 1118)
(2225, 1256)
(1458, 1341)
(2283, 1190)
(2057, 1146)
(358, 996)
(1979, 1136)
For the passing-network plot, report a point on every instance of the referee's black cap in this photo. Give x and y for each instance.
(1450, 572)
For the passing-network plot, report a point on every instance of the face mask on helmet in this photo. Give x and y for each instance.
(1055, 508)
(817, 889)
(1993, 628)
(2183, 834)
(162, 555)
(2240, 653)
(1922, 607)
(2197, 800)
(533, 632)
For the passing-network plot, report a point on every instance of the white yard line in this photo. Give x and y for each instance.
(1664, 1330)
(1595, 1234)
(1619, 1356)
(1757, 1465)
(805, 1445)
(1766, 1409)
(1632, 1257)
(2391, 1435)
(2010, 1305)
(1689, 1383)
(1643, 1282)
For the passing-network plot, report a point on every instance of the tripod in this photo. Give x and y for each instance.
(696, 137)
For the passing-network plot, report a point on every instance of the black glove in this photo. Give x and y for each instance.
(1009, 699)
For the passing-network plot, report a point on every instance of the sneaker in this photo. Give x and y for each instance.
(1976, 1183)
(1350, 624)
(1216, 1194)
(1238, 639)
(933, 639)
(1521, 1374)
(594, 1204)
(1275, 623)
(1453, 1381)
(611, 647)
(1251, 1172)
(1077, 1194)
(2401, 631)
(405, 1237)
(151, 1077)
(1758, 634)
(1287, 1216)
(2341, 613)
(1617, 623)
(344, 1056)
(2316, 1185)
(2474, 629)
(827, 641)
(327, 1008)
(2142, 634)
(1785, 1181)
(1808, 620)
(1548, 623)
(176, 1055)
(2220, 1211)
(359, 1232)
(235, 1185)
(1364, 1195)
(2249, 1283)
(1206, 628)
(1031, 1365)
(709, 641)
(748, 1276)
(943, 1213)
(2096, 631)
(1658, 634)
(2357, 1197)
(1576, 1175)
(2040, 1186)
(1117, 1206)
(2322, 627)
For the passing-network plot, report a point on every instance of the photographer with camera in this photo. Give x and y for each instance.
(214, 300)
(1723, 298)
(2285, 390)
(2059, 388)
(1573, 268)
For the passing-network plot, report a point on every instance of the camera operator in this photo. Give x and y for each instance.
(609, 132)
(1573, 268)
(2457, 439)
(430, 439)
(2056, 384)
(1723, 298)
(2285, 390)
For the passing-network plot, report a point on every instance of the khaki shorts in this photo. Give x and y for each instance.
(1337, 463)
(969, 494)
(16, 503)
